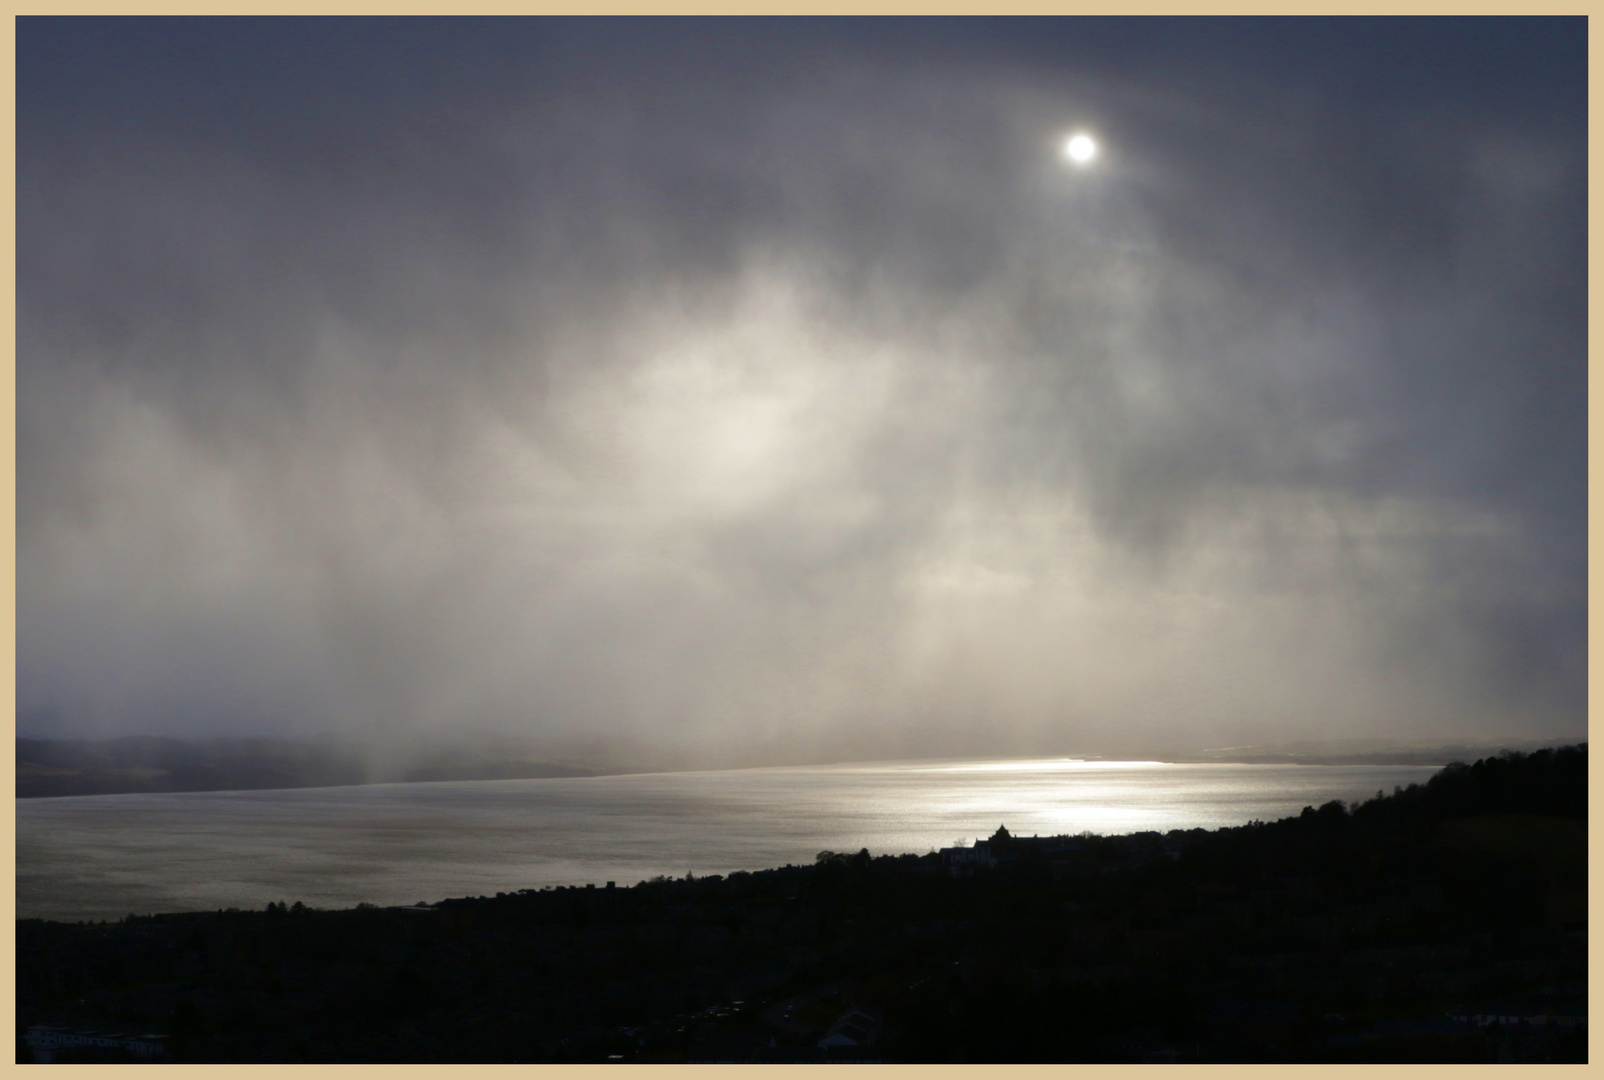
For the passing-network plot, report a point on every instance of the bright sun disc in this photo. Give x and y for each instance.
(1080, 149)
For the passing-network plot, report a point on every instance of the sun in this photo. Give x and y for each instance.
(1080, 148)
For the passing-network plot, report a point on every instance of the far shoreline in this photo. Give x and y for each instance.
(83, 769)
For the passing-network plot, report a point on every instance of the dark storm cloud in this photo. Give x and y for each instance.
(745, 388)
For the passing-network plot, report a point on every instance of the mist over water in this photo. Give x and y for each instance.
(107, 856)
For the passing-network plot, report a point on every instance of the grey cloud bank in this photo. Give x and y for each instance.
(714, 393)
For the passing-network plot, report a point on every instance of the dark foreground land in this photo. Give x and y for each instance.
(1445, 922)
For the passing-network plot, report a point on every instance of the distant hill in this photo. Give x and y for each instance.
(57, 767)
(1366, 752)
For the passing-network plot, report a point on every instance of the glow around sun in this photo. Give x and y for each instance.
(1080, 149)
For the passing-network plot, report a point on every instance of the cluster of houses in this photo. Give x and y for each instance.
(1537, 1011)
(47, 1041)
(1002, 847)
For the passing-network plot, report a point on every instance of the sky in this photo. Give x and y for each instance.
(720, 392)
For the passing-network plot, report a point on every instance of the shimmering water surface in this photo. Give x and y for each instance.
(106, 856)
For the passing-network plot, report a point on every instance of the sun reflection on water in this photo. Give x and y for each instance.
(101, 857)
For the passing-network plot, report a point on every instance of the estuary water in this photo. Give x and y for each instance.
(106, 856)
